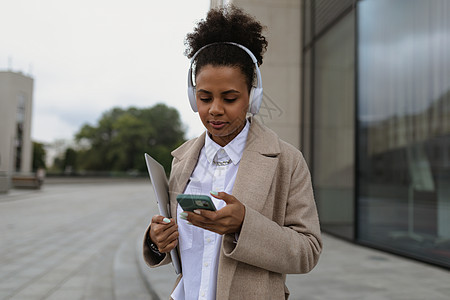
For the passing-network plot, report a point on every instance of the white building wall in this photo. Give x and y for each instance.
(12, 87)
(281, 68)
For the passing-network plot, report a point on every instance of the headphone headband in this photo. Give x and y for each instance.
(255, 61)
(256, 93)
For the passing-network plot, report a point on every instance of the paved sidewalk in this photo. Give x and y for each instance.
(347, 271)
(74, 241)
(83, 241)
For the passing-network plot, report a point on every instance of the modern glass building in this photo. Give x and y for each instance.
(376, 122)
(362, 88)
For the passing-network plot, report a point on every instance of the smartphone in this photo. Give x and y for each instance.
(189, 202)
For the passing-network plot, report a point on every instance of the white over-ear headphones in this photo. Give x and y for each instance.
(256, 93)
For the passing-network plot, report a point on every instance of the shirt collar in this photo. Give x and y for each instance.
(234, 149)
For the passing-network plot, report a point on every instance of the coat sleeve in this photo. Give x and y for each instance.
(292, 247)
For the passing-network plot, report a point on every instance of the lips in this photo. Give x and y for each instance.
(217, 124)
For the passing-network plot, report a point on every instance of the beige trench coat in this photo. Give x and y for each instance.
(280, 233)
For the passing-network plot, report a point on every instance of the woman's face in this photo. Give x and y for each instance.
(222, 100)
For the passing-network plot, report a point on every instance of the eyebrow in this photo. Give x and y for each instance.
(223, 93)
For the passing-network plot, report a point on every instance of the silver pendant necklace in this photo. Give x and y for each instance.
(222, 163)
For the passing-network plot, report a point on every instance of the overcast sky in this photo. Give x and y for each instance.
(87, 56)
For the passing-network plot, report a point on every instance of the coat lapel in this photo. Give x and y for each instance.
(257, 167)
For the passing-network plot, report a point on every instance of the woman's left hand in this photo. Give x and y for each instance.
(228, 219)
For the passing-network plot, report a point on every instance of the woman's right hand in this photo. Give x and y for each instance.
(164, 233)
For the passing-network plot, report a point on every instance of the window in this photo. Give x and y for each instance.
(404, 122)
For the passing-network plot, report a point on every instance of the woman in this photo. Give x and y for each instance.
(266, 223)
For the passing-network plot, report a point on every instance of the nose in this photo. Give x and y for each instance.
(216, 107)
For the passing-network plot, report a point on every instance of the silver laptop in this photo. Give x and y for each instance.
(161, 188)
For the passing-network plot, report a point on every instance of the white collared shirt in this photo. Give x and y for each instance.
(199, 248)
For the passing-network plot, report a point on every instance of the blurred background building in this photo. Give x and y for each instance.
(16, 98)
(363, 89)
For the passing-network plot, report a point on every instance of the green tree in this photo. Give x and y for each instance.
(70, 161)
(39, 154)
(122, 136)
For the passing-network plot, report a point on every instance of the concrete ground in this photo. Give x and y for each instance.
(82, 240)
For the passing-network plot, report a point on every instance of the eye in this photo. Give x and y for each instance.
(205, 99)
(230, 100)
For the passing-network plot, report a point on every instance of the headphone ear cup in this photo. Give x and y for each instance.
(250, 99)
(191, 91)
(255, 100)
(192, 98)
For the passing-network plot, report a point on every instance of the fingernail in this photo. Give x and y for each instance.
(214, 193)
(166, 220)
(189, 223)
(197, 212)
(183, 216)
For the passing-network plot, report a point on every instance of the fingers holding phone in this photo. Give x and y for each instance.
(164, 233)
(201, 212)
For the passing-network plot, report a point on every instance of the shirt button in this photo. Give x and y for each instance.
(222, 151)
(206, 264)
(208, 240)
(203, 294)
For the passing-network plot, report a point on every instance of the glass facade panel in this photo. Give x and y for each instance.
(333, 128)
(404, 127)
(307, 23)
(305, 145)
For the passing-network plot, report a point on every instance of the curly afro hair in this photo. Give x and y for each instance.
(227, 24)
